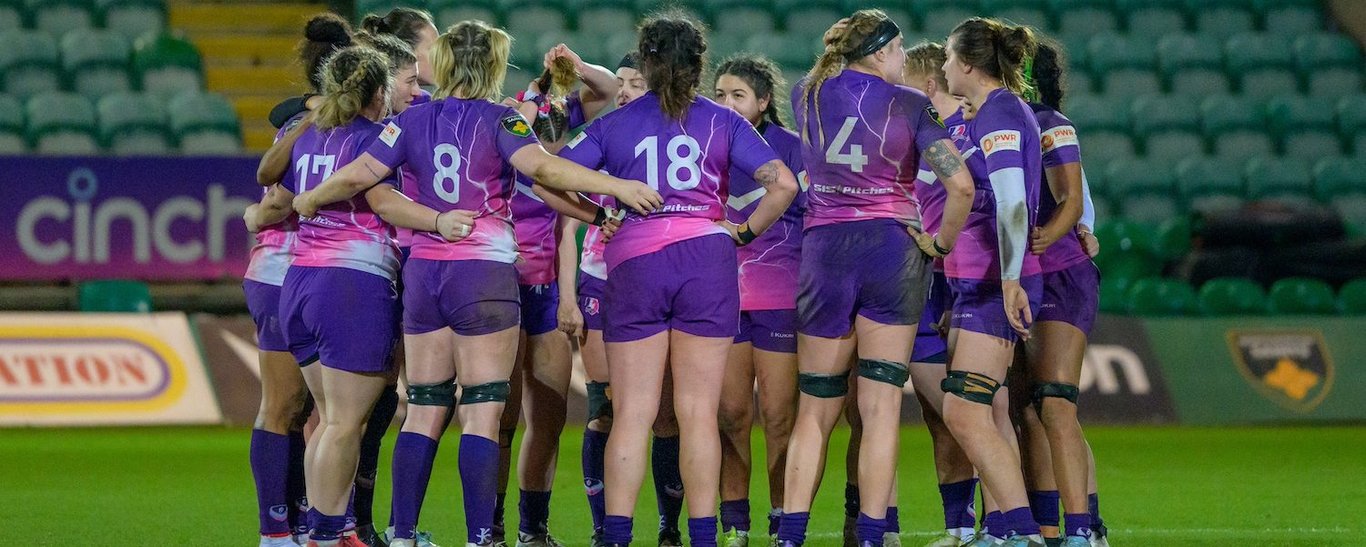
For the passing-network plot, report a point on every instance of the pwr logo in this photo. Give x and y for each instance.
(79, 370)
(1292, 368)
(1000, 140)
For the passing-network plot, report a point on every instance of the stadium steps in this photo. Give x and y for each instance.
(248, 50)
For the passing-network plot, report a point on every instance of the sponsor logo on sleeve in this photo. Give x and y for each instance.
(516, 125)
(576, 140)
(390, 134)
(1058, 137)
(1000, 140)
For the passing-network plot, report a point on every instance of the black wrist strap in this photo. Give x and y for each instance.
(746, 234)
(934, 241)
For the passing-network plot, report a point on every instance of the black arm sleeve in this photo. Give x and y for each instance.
(287, 109)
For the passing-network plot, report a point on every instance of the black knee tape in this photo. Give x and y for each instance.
(1053, 389)
(599, 400)
(887, 372)
(970, 386)
(824, 386)
(442, 394)
(492, 392)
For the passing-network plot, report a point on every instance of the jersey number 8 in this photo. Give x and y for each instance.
(684, 152)
(446, 160)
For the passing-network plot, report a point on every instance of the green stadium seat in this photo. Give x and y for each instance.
(1079, 81)
(1235, 127)
(1222, 18)
(898, 11)
(133, 18)
(1103, 206)
(1330, 64)
(720, 46)
(450, 12)
(788, 50)
(1352, 122)
(134, 125)
(96, 62)
(939, 17)
(1192, 64)
(1075, 48)
(742, 17)
(62, 123)
(1173, 238)
(11, 15)
(532, 17)
(1210, 184)
(1122, 236)
(1152, 18)
(1279, 179)
(1083, 17)
(1305, 126)
(1161, 297)
(1341, 182)
(1352, 297)
(1232, 296)
(1290, 17)
(1300, 296)
(1168, 125)
(28, 63)
(1113, 293)
(167, 65)
(1105, 129)
(1262, 63)
(807, 16)
(205, 124)
(58, 17)
(115, 295)
(1125, 65)
(1032, 13)
(12, 139)
(1144, 189)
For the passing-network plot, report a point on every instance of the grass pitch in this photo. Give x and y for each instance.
(1159, 486)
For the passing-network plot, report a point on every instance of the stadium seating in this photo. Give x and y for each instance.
(58, 17)
(1305, 126)
(1114, 295)
(939, 17)
(1153, 17)
(1161, 297)
(96, 62)
(1235, 127)
(1352, 122)
(28, 63)
(1210, 184)
(1192, 64)
(1329, 64)
(1232, 296)
(115, 296)
(1300, 296)
(1083, 17)
(1290, 16)
(205, 124)
(1168, 126)
(1103, 125)
(133, 18)
(1173, 239)
(167, 65)
(134, 124)
(11, 126)
(61, 123)
(1352, 297)
(1286, 180)
(1220, 19)
(1145, 189)
(1021, 12)
(1263, 63)
(1126, 65)
(1342, 183)
(11, 14)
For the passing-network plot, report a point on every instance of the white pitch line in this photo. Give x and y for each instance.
(1155, 532)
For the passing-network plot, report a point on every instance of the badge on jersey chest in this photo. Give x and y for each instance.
(516, 125)
(1292, 368)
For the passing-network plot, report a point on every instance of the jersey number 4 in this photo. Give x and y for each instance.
(855, 158)
(684, 153)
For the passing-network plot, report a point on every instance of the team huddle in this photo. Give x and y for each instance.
(925, 220)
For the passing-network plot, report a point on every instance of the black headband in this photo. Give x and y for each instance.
(884, 34)
(629, 61)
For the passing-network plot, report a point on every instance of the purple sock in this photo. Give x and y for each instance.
(616, 530)
(1093, 503)
(270, 467)
(870, 529)
(351, 511)
(734, 515)
(479, 476)
(311, 518)
(702, 532)
(1043, 505)
(295, 489)
(412, 469)
(893, 521)
(1018, 522)
(992, 524)
(594, 451)
(958, 498)
(793, 527)
(775, 517)
(668, 481)
(534, 509)
(328, 528)
(1078, 524)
